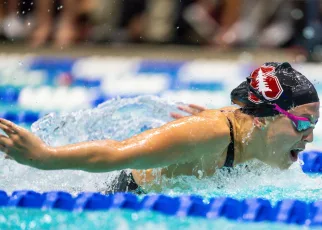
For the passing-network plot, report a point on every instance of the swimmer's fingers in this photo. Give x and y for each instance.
(191, 109)
(6, 129)
(197, 107)
(9, 127)
(186, 109)
(176, 115)
(4, 143)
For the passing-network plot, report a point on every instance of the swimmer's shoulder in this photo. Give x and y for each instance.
(220, 118)
(218, 121)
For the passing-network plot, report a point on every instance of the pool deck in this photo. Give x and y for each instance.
(164, 52)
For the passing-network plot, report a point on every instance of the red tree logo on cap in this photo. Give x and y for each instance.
(266, 83)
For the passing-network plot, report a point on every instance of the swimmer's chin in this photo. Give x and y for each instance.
(282, 166)
(285, 166)
(285, 163)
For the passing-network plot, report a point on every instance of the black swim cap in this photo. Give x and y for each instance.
(273, 83)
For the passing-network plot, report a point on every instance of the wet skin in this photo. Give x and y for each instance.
(270, 140)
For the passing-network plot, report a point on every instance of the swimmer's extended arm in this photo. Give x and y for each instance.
(180, 141)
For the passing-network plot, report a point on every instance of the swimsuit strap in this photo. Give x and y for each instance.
(125, 183)
(229, 163)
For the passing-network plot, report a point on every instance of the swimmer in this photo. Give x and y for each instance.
(277, 110)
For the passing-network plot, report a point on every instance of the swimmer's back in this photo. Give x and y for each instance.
(206, 164)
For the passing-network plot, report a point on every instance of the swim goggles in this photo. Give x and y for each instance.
(300, 123)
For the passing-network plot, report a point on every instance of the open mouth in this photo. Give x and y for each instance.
(294, 153)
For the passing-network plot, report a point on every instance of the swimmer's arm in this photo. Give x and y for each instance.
(180, 141)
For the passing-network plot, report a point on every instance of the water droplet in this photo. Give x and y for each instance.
(32, 224)
(47, 218)
(301, 162)
(200, 174)
(134, 216)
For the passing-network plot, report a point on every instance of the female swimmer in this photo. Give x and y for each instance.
(277, 111)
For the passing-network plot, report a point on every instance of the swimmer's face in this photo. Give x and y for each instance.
(284, 142)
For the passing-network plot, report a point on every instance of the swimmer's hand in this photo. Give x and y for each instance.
(191, 109)
(21, 145)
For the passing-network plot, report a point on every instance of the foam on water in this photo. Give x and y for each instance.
(119, 219)
(121, 118)
(257, 180)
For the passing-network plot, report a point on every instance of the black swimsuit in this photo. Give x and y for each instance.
(229, 163)
(126, 183)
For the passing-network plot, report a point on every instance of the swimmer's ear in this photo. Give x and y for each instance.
(260, 122)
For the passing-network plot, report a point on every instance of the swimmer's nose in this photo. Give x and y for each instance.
(308, 137)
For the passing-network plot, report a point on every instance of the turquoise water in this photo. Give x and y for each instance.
(118, 219)
(119, 119)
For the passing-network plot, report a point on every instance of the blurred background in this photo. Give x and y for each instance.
(66, 55)
(229, 24)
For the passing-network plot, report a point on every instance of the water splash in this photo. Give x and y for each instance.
(255, 180)
(122, 118)
(247, 137)
(115, 119)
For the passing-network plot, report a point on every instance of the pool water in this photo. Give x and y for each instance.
(43, 85)
(118, 219)
(119, 119)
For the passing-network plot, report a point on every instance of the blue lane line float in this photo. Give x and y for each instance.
(291, 212)
(9, 94)
(88, 83)
(312, 161)
(248, 210)
(225, 207)
(315, 214)
(256, 210)
(27, 198)
(21, 116)
(59, 200)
